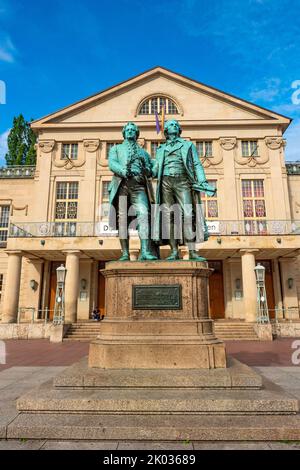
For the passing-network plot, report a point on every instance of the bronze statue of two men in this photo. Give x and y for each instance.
(175, 215)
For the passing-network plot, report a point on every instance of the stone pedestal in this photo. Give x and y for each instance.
(157, 318)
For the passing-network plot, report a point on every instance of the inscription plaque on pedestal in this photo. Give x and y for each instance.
(157, 297)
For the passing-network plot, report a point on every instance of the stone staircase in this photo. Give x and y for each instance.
(226, 330)
(85, 331)
(235, 330)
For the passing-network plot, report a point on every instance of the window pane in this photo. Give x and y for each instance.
(248, 208)
(72, 210)
(172, 108)
(253, 148)
(208, 148)
(4, 216)
(154, 146)
(212, 208)
(73, 190)
(246, 188)
(200, 147)
(60, 210)
(61, 190)
(260, 210)
(258, 188)
(65, 151)
(145, 108)
(105, 193)
(74, 151)
(154, 105)
(245, 148)
(162, 103)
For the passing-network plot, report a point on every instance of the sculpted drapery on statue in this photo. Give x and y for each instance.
(181, 178)
(177, 217)
(130, 191)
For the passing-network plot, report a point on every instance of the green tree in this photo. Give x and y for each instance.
(20, 142)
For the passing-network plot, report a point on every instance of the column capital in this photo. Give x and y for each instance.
(287, 259)
(71, 252)
(249, 250)
(13, 252)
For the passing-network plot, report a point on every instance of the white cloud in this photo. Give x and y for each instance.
(269, 92)
(7, 50)
(292, 135)
(3, 146)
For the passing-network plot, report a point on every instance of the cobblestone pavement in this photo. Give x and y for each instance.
(29, 363)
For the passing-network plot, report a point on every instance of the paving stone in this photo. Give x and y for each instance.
(152, 445)
(289, 445)
(231, 445)
(21, 444)
(80, 445)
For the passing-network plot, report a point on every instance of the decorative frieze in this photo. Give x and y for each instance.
(91, 145)
(274, 143)
(46, 146)
(228, 143)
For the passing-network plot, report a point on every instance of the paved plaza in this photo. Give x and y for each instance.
(32, 362)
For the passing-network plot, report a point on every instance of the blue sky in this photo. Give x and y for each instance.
(55, 52)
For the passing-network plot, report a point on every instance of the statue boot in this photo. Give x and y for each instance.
(174, 254)
(146, 254)
(193, 256)
(125, 250)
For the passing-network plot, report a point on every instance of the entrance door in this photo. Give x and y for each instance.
(101, 289)
(269, 286)
(51, 304)
(216, 291)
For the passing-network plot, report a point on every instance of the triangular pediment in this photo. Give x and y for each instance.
(196, 102)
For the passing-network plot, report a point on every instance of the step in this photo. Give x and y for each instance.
(154, 427)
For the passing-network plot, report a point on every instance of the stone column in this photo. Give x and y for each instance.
(71, 285)
(249, 283)
(277, 289)
(12, 287)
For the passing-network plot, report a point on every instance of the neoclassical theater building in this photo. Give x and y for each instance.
(52, 214)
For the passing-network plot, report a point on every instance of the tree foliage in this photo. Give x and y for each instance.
(21, 143)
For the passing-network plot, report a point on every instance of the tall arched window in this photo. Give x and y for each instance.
(156, 103)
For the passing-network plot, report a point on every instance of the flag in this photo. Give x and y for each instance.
(157, 123)
(163, 111)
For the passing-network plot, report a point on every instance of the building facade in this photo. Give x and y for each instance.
(56, 213)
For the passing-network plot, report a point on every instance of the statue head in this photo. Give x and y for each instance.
(172, 127)
(130, 131)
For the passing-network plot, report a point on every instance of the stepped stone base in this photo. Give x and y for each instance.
(216, 404)
(154, 427)
(235, 376)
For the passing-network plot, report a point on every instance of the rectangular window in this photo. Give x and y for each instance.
(66, 208)
(105, 200)
(69, 152)
(210, 204)
(254, 207)
(4, 222)
(204, 148)
(109, 145)
(154, 146)
(249, 148)
(154, 105)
